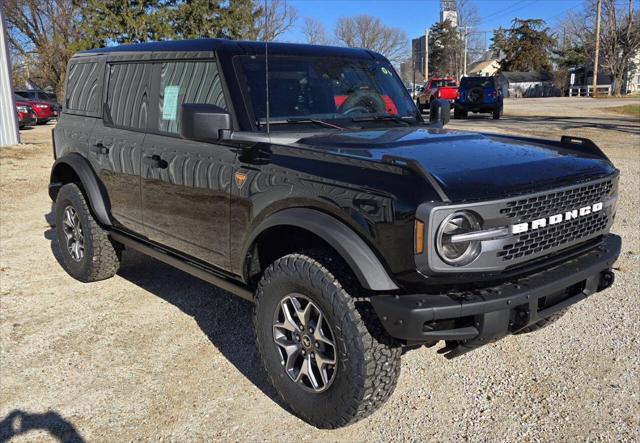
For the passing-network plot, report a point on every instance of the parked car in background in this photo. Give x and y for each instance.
(45, 111)
(478, 94)
(40, 96)
(26, 114)
(438, 88)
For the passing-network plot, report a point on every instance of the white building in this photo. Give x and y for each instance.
(485, 68)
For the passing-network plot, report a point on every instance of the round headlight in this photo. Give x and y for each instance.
(458, 253)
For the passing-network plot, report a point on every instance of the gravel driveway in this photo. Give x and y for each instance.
(156, 354)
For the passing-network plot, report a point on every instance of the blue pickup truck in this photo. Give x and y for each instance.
(478, 94)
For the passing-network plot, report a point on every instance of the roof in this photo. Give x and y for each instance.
(481, 65)
(532, 76)
(243, 47)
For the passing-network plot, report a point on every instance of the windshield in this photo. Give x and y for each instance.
(322, 88)
(485, 82)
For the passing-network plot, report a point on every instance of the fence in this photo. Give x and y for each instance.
(586, 91)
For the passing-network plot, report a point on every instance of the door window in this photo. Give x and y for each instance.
(187, 82)
(128, 95)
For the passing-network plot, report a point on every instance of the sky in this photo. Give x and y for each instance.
(414, 16)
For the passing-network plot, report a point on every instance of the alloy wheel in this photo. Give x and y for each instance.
(73, 234)
(305, 342)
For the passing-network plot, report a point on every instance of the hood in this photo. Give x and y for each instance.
(473, 166)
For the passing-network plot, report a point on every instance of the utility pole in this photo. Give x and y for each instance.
(464, 68)
(464, 61)
(426, 55)
(595, 62)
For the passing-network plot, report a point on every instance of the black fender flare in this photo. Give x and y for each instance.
(93, 187)
(361, 259)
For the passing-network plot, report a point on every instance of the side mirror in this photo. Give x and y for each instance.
(203, 122)
(440, 112)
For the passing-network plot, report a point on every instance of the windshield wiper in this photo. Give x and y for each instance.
(308, 120)
(380, 118)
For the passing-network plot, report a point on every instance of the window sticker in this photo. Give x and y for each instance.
(170, 102)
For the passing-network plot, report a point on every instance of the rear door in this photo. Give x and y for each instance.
(118, 139)
(186, 184)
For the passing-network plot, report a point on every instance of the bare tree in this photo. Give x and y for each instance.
(468, 23)
(277, 19)
(620, 40)
(364, 31)
(43, 34)
(314, 32)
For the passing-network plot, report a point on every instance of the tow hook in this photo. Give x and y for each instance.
(606, 280)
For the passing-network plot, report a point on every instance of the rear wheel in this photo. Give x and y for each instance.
(420, 107)
(497, 113)
(325, 352)
(87, 251)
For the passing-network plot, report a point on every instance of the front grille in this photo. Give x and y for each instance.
(537, 207)
(554, 236)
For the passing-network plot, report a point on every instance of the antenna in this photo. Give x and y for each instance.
(266, 62)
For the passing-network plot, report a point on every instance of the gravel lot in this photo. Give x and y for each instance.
(156, 354)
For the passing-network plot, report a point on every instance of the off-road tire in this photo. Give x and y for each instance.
(368, 360)
(543, 323)
(497, 113)
(101, 258)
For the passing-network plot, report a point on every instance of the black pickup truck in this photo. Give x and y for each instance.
(303, 178)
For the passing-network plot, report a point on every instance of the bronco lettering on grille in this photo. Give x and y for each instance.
(555, 219)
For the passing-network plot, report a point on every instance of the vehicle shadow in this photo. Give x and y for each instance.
(225, 319)
(19, 422)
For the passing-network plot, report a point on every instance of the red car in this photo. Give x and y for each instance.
(445, 88)
(26, 114)
(44, 111)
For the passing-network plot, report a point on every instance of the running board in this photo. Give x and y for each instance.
(184, 265)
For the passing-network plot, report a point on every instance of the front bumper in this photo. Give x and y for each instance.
(467, 320)
(27, 120)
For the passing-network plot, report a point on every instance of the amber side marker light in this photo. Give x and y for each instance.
(419, 237)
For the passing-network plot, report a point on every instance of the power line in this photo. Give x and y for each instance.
(511, 8)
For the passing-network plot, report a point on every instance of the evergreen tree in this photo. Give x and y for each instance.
(526, 46)
(446, 48)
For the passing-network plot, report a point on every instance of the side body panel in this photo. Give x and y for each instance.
(186, 202)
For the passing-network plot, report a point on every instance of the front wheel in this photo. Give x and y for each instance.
(87, 251)
(325, 352)
(497, 113)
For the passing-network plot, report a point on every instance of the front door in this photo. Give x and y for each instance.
(186, 184)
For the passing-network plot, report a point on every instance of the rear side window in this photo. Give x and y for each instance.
(187, 82)
(83, 92)
(470, 82)
(128, 95)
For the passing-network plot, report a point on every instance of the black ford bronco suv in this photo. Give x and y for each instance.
(304, 179)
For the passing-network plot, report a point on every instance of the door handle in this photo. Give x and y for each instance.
(155, 162)
(99, 148)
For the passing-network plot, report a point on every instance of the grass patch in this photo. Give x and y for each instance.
(633, 110)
